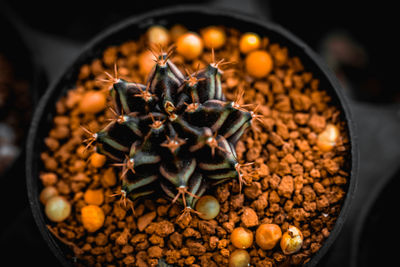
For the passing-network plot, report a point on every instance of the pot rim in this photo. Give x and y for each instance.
(201, 9)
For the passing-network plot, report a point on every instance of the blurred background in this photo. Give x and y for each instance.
(356, 40)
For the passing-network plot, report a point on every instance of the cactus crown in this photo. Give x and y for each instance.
(176, 131)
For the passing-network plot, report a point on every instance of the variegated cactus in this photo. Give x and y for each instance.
(176, 133)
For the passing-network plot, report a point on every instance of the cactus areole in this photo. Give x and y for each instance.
(177, 133)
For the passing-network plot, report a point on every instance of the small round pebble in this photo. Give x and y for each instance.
(268, 235)
(208, 206)
(292, 240)
(239, 258)
(93, 102)
(92, 217)
(213, 37)
(248, 42)
(47, 193)
(57, 209)
(259, 63)
(189, 45)
(242, 238)
(158, 35)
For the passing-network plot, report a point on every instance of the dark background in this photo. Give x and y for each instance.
(357, 40)
(371, 25)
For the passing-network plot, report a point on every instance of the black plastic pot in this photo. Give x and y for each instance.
(193, 17)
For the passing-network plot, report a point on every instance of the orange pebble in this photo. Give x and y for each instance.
(268, 235)
(259, 63)
(92, 217)
(249, 42)
(213, 37)
(292, 240)
(93, 102)
(146, 62)
(176, 31)
(94, 197)
(327, 139)
(97, 160)
(189, 45)
(158, 35)
(242, 238)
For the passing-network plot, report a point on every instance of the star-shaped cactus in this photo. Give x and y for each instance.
(177, 133)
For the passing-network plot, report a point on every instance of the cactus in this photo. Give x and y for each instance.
(176, 133)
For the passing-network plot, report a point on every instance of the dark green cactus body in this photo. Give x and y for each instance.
(177, 133)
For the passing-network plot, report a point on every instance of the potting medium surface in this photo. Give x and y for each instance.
(294, 179)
